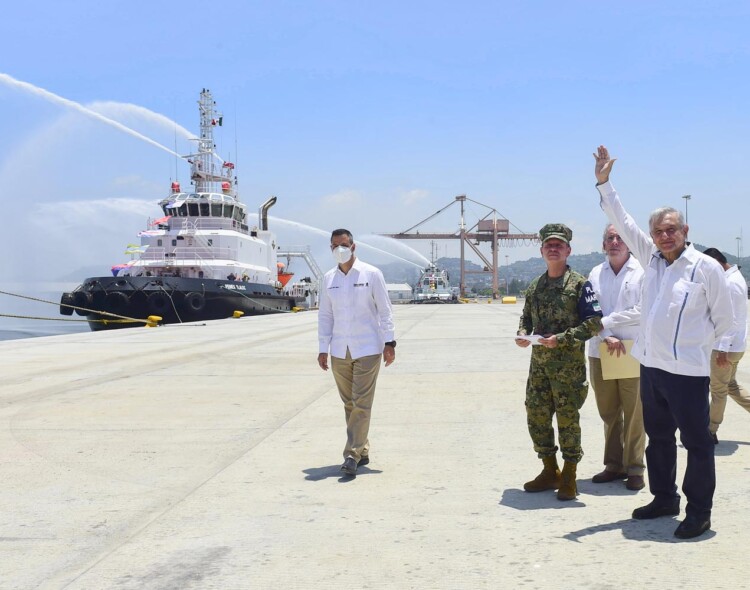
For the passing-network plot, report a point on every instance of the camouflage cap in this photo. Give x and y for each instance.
(559, 231)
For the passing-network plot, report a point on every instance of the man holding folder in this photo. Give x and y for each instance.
(617, 283)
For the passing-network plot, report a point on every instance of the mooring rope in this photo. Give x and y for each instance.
(119, 319)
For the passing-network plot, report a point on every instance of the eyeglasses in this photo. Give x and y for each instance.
(611, 239)
(666, 233)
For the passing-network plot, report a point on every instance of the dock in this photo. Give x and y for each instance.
(207, 456)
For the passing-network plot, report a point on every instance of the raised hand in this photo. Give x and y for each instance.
(603, 165)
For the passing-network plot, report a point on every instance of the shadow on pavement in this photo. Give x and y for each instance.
(319, 473)
(521, 500)
(728, 447)
(659, 530)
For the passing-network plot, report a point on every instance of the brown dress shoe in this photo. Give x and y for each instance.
(607, 476)
(635, 482)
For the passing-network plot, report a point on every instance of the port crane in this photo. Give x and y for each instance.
(492, 228)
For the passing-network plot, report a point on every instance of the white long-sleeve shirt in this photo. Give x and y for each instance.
(738, 293)
(354, 312)
(619, 296)
(685, 305)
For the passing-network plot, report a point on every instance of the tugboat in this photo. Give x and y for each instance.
(434, 287)
(199, 261)
(434, 284)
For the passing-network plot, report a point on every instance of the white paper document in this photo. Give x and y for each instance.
(533, 338)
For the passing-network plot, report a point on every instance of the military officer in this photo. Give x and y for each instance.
(562, 308)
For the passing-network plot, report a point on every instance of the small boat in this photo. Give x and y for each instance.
(434, 286)
(200, 260)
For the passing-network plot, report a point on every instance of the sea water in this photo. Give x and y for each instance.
(39, 316)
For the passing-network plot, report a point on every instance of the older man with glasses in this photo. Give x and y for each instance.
(685, 308)
(617, 282)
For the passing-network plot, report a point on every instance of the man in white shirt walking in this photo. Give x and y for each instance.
(685, 308)
(355, 322)
(724, 364)
(617, 282)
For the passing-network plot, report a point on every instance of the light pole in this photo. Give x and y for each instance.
(507, 276)
(739, 241)
(687, 198)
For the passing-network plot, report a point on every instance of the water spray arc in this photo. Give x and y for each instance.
(327, 235)
(50, 96)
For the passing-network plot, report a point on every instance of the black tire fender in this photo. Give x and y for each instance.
(65, 300)
(82, 299)
(116, 301)
(158, 302)
(195, 302)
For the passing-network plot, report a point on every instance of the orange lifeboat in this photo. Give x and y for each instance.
(283, 277)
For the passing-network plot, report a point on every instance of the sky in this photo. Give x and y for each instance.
(371, 116)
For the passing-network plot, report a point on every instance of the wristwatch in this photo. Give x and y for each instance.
(391, 343)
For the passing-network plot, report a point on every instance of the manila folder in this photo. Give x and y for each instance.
(622, 367)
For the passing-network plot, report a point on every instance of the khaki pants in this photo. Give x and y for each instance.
(619, 404)
(723, 382)
(356, 379)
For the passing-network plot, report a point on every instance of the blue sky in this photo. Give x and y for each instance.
(374, 115)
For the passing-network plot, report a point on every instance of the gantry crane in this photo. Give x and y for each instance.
(488, 229)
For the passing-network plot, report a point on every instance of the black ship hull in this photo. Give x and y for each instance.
(173, 299)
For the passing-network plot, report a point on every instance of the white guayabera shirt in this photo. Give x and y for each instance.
(354, 312)
(685, 307)
(619, 296)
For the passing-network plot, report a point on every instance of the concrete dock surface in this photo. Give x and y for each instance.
(207, 456)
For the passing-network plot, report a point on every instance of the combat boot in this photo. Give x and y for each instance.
(568, 489)
(548, 479)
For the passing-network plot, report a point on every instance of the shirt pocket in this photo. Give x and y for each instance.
(631, 295)
(687, 294)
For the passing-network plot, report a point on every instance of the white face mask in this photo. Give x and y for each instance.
(342, 254)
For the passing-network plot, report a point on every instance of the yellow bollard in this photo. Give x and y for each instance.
(152, 321)
(510, 299)
(238, 314)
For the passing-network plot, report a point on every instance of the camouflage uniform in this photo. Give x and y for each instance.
(567, 307)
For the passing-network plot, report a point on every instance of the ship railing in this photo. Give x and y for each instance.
(169, 255)
(191, 224)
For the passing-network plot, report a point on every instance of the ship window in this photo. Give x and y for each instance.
(204, 210)
(238, 214)
(159, 243)
(216, 209)
(182, 210)
(193, 209)
(228, 210)
(210, 242)
(174, 242)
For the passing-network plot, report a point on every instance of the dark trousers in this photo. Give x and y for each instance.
(670, 402)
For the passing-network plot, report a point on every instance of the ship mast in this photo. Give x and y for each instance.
(208, 172)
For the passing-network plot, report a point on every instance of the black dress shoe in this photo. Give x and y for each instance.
(607, 476)
(363, 460)
(635, 482)
(350, 466)
(655, 510)
(692, 526)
